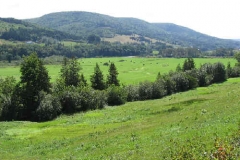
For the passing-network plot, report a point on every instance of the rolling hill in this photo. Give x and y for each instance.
(86, 23)
(18, 30)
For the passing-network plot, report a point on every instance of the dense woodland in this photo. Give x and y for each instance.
(17, 30)
(51, 47)
(35, 98)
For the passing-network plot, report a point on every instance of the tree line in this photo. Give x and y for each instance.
(9, 52)
(34, 98)
(79, 50)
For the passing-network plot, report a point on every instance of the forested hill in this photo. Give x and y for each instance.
(86, 23)
(18, 30)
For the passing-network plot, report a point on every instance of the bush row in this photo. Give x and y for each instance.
(70, 99)
(178, 81)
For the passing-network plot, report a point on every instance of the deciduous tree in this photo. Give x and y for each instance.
(34, 79)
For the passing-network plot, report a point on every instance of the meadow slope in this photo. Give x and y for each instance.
(184, 124)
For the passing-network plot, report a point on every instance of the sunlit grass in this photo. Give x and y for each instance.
(138, 130)
(131, 70)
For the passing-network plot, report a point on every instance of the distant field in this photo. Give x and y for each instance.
(131, 70)
(125, 39)
(2, 41)
(181, 126)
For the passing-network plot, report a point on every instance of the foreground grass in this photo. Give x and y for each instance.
(131, 70)
(185, 123)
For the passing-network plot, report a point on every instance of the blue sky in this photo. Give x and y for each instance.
(219, 18)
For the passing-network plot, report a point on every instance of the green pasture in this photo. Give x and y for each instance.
(181, 125)
(131, 70)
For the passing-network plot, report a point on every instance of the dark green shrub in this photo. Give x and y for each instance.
(7, 85)
(219, 73)
(145, 90)
(82, 99)
(49, 108)
(181, 81)
(116, 95)
(193, 82)
(205, 75)
(92, 99)
(70, 101)
(192, 76)
(6, 89)
(9, 99)
(100, 100)
(207, 67)
(132, 92)
(169, 84)
(158, 89)
(192, 73)
(106, 64)
(235, 72)
(5, 108)
(203, 78)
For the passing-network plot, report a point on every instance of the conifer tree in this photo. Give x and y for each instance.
(97, 79)
(178, 68)
(188, 64)
(83, 81)
(112, 77)
(70, 72)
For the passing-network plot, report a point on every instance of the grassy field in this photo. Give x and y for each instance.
(183, 124)
(126, 39)
(131, 70)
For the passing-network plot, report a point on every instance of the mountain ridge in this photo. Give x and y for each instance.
(85, 23)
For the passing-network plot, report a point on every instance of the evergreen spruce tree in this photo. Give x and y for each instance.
(70, 72)
(97, 80)
(188, 64)
(83, 81)
(178, 68)
(112, 77)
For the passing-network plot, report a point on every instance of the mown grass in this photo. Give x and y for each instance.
(185, 123)
(131, 70)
